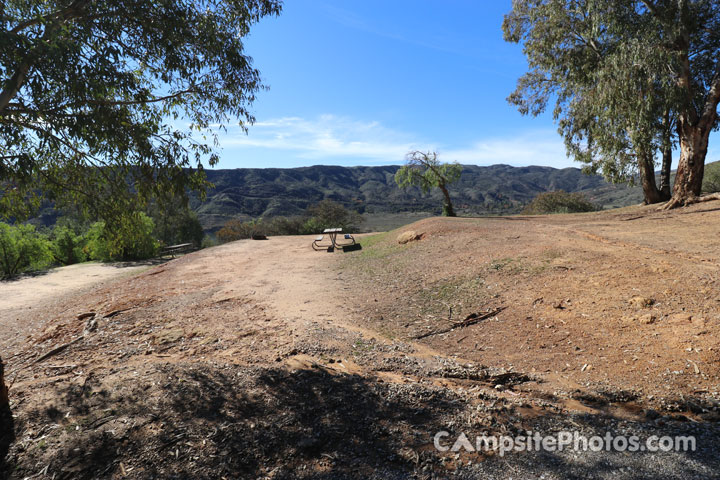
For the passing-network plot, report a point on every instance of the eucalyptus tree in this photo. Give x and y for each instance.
(107, 103)
(618, 122)
(689, 32)
(624, 75)
(424, 170)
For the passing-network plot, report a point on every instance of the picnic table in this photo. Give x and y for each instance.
(175, 249)
(345, 241)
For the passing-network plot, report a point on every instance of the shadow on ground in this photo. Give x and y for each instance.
(150, 262)
(7, 437)
(212, 421)
(200, 422)
(8, 280)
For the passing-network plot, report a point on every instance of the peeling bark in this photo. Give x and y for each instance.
(651, 192)
(691, 166)
(693, 124)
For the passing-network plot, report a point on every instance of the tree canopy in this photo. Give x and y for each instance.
(627, 79)
(424, 170)
(107, 103)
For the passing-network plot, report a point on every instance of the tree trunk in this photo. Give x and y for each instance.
(665, 173)
(647, 178)
(3, 388)
(667, 158)
(693, 126)
(448, 210)
(691, 166)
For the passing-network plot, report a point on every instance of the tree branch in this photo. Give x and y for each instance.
(21, 72)
(651, 7)
(138, 102)
(64, 14)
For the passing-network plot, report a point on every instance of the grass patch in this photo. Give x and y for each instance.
(373, 240)
(458, 293)
(511, 265)
(376, 247)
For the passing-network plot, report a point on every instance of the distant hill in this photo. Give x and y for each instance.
(264, 192)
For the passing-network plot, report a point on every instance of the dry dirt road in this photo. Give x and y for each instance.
(266, 359)
(20, 298)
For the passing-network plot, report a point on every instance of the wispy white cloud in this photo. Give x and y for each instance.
(526, 148)
(326, 137)
(335, 139)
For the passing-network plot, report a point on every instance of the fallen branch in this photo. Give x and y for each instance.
(471, 319)
(116, 312)
(57, 350)
(99, 422)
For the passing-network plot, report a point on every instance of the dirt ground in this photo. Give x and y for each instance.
(625, 299)
(21, 297)
(266, 359)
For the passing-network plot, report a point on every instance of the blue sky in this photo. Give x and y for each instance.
(364, 82)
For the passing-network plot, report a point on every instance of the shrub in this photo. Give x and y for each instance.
(559, 201)
(23, 249)
(711, 179)
(330, 214)
(237, 230)
(326, 214)
(68, 246)
(209, 241)
(285, 226)
(96, 247)
(175, 223)
(131, 238)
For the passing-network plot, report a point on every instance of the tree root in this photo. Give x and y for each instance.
(677, 202)
(672, 203)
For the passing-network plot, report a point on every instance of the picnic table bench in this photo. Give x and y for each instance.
(175, 249)
(345, 241)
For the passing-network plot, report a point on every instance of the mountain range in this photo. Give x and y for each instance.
(498, 189)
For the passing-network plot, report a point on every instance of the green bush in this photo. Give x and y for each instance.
(68, 246)
(209, 241)
(23, 249)
(175, 223)
(286, 226)
(131, 238)
(711, 178)
(96, 247)
(559, 201)
(330, 214)
(314, 225)
(326, 214)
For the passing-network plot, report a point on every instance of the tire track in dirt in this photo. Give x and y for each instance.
(634, 246)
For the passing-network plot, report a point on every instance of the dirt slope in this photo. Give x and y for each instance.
(266, 359)
(632, 297)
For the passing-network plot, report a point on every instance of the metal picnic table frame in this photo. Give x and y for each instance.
(176, 249)
(332, 233)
